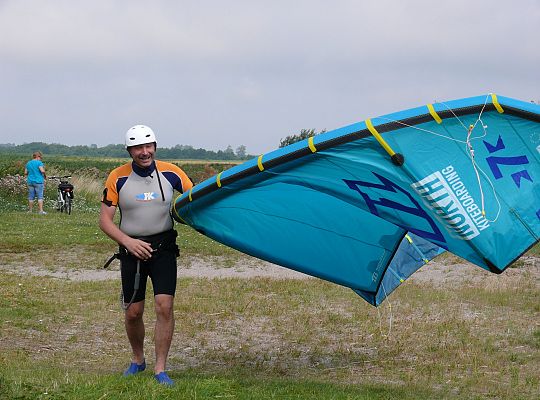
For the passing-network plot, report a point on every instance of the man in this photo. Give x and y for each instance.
(34, 171)
(143, 191)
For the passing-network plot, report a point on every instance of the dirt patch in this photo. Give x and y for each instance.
(459, 272)
(212, 267)
(436, 273)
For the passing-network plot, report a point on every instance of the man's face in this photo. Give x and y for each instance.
(143, 154)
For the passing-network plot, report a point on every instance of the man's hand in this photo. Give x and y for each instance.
(138, 248)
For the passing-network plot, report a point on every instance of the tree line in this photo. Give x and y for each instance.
(180, 152)
(304, 134)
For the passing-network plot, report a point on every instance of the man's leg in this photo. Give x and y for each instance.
(135, 330)
(164, 329)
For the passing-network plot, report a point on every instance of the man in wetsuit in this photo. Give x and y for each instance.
(143, 191)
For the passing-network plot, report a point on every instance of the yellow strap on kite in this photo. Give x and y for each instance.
(311, 145)
(409, 239)
(174, 208)
(434, 113)
(259, 163)
(379, 138)
(496, 103)
(189, 195)
(218, 179)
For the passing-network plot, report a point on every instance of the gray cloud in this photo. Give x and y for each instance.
(214, 73)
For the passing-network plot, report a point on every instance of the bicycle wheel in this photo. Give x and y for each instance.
(64, 203)
(59, 202)
(68, 204)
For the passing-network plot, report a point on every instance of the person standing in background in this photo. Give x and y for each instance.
(34, 172)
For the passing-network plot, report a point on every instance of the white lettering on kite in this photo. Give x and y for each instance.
(446, 194)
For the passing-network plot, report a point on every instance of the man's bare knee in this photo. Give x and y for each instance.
(164, 305)
(135, 312)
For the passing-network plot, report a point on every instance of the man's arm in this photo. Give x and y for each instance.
(138, 248)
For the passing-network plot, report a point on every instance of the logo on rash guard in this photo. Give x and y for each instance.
(149, 196)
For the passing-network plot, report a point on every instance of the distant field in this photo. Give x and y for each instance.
(12, 165)
(88, 176)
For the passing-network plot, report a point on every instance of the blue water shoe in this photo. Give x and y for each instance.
(135, 368)
(164, 379)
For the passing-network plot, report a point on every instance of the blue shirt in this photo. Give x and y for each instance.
(34, 174)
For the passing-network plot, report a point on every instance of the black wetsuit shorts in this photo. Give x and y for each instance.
(161, 268)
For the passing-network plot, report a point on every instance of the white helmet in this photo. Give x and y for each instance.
(139, 134)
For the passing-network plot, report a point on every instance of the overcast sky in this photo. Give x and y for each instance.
(217, 73)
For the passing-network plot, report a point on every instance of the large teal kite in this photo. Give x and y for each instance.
(367, 205)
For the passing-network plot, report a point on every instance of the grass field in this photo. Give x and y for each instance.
(254, 338)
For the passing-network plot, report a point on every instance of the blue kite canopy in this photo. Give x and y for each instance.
(366, 205)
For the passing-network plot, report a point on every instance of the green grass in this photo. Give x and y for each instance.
(267, 338)
(249, 338)
(192, 385)
(57, 232)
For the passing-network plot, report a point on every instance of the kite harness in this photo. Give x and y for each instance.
(122, 252)
(162, 242)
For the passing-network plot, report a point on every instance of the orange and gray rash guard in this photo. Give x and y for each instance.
(144, 200)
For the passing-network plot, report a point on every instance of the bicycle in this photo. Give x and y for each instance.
(64, 201)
